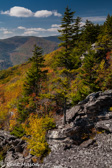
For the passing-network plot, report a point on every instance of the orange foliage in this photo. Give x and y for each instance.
(10, 92)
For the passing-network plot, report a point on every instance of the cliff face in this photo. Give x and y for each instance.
(85, 141)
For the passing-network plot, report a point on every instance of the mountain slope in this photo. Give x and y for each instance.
(52, 38)
(11, 84)
(17, 50)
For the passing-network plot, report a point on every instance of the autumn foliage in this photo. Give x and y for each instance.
(52, 83)
(35, 128)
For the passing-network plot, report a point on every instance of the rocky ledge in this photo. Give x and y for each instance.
(15, 151)
(84, 142)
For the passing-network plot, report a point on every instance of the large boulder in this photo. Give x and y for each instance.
(84, 117)
(86, 139)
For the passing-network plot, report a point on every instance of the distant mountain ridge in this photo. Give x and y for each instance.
(52, 38)
(18, 49)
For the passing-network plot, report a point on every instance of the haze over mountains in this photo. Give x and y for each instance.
(18, 49)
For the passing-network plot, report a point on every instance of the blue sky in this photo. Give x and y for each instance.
(42, 17)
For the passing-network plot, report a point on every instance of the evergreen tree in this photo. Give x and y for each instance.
(61, 89)
(88, 70)
(90, 32)
(86, 79)
(66, 37)
(65, 59)
(105, 37)
(108, 25)
(32, 86)
(76, 31)
(35, 74)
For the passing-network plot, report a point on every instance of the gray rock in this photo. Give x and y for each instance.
(14, 148)
(87, 143)
(56, 134)
(84, 142)
(15, 142)
(90, 118)
(105, 125)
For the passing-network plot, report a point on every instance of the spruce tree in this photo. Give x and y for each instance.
(66, 37)
(68, 59)
(86, 79)
(32, 83)
(88, 70)
(65, 59)
(76, 31)
(108, 26)
(105, 37)
(90, 32)
(29, 103)
(61, 89)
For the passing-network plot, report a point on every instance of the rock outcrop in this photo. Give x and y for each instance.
(86, 139)
(84, 142)
(15, 152)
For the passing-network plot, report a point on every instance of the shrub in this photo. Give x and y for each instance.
(35, 129)
(110, 109)
(18, 131)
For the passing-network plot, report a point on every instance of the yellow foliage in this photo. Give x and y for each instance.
(110, 109)
(11, 83)
(3, 112)
(13, 120)
(36, 132)
(49, 58)
(102, 65)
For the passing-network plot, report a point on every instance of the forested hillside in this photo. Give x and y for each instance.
(17, 50)
(34, 93)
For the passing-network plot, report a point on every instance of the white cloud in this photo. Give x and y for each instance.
(33, 31)
(53, 29)
(21, 28)
(57, 14)
(39, 31)
(43, 13)
(95, 18)
(3, 29)
(55, 25)
(7, 32)
(39, 34)
(30, 33)
(5, 12)
(46, 13)
(36, 29)
(18, 12)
